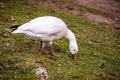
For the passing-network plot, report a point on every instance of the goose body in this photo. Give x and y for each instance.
(47, 29)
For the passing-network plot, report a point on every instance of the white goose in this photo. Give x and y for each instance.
(47, 29)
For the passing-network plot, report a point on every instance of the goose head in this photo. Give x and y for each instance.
(73, 49)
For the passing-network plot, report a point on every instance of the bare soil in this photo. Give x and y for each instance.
(111, 7)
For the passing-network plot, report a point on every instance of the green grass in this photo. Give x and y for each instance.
(98, 57)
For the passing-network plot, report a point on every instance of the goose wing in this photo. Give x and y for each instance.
(43, 25)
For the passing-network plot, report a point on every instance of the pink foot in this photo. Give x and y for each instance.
(43, 51)
(56, 55)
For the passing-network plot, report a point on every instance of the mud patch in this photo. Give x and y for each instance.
(111, 7)
(97, 18)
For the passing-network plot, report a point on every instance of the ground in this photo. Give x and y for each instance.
(111, 7)
(97, 33)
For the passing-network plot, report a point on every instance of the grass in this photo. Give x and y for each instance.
(97, 59)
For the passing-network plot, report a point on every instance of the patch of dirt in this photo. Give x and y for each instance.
(111, 7)
(93, 17)
(98, 18)
(102, 5)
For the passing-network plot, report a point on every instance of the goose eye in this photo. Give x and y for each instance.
(74, 50)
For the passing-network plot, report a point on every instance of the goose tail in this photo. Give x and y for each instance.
(16, 31)
(14, 28)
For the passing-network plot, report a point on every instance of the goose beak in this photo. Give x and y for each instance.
(74, 58)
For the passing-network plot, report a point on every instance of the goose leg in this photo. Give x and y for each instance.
(42, 48)
(51, 50)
